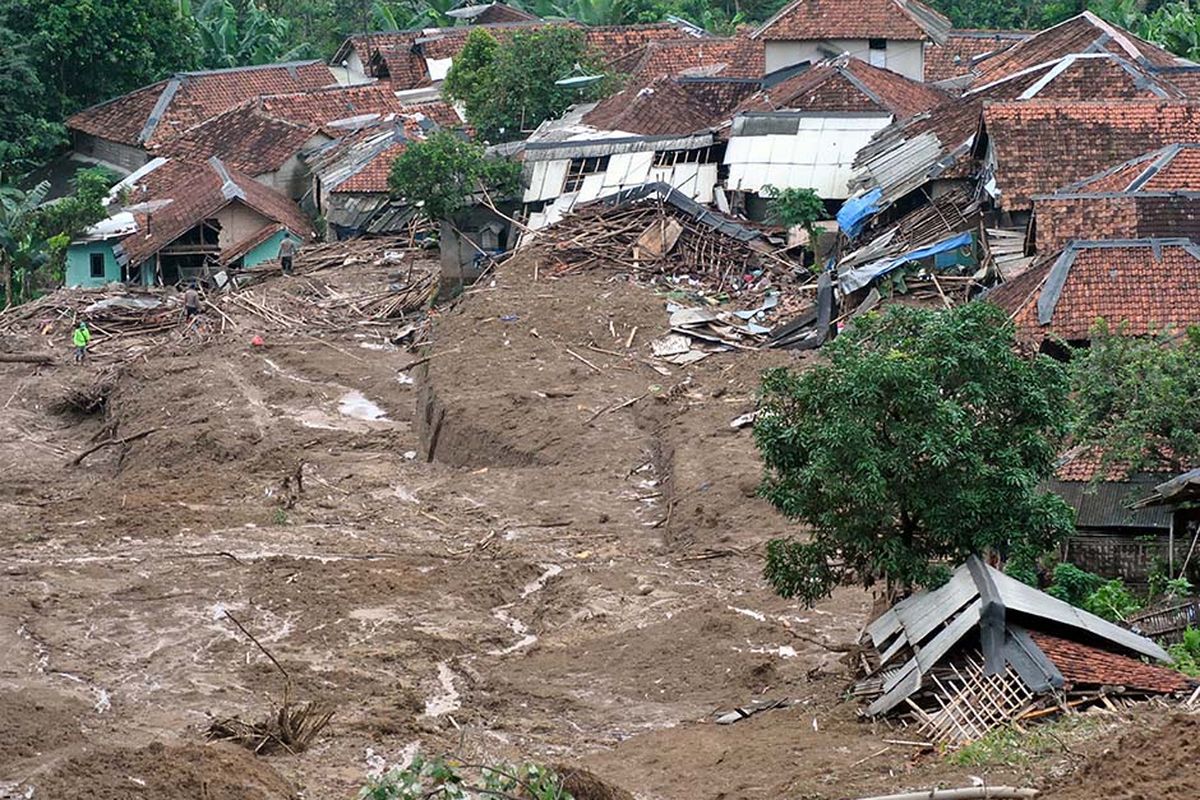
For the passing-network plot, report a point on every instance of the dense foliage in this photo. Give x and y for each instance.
(921, 439)
(792, 207)
(509, 87)
(443, 172)
(1135, 399)
(34, 237)
(438, 779)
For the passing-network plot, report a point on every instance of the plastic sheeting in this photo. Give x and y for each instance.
(855, 212)
(859, 277)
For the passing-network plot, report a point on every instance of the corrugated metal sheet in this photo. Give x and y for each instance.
(1106, 505)
(590, 148)
(804, 152)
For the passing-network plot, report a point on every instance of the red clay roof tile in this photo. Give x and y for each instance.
(736, 57)
(198, 191)
(847, 84)
(964, 50)
(245, 138)
(1041, 145)
(1150, 286)
(660, 107)
(323, 106)
(1085, 666)
(804, 20)
(157, 113)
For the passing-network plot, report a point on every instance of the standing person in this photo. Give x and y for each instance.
(287, 250)
(191, 301)
(81, 337)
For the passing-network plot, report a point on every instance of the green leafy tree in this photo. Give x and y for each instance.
(920, 440)
(792, 207)
(22, 251)
(27, 136)
(508, 87)
(1134, 399)
(443, 173)
(233, 37)
(88, 51)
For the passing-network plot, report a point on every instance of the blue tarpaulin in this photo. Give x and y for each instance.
(859, 277)
(855, 212)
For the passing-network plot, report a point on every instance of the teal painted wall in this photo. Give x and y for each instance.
(79, 264)
(268, 249)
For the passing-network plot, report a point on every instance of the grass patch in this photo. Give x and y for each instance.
(1009, 747)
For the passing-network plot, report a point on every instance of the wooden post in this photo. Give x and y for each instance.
(1171, 545)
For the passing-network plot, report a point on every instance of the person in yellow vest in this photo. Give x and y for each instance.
(81, 338)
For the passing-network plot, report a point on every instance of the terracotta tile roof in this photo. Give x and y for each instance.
(1149, 285)
(361, 161)
(1083, 665)
(614, 41)
(657, 108)
(804, 20)
(320, 107)
(847, 84)
(955, 121)
(1080, 34)
(244, 138)
(736, 57)
(449, 42)
(1081, 464)
(1173, 168)
(964, 50)
(1041, 145)
(373, 177)
(402, 66)
(439, 111)
(154, 114)
(719, 95)
(501, 12)
(197, 191)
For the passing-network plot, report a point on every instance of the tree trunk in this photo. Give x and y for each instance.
(6, 264)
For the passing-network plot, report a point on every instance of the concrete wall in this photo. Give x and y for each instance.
(238, 223)
(268, 250)
(122, 156)
(79, 265)
(906, 58)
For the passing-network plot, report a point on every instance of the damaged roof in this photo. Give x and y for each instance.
(1085, 33)
(332, 104)
(965, 49)
(846, 84)
(244, 138)
(190, 192)
(803, 20)
(361, 162)
(1039, 146)
(980, 603)
(1150, 285)
(663, 106)
(156, 113)
(1174, 168)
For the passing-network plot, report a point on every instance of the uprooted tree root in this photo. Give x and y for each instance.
(85, 400)
(291, 728)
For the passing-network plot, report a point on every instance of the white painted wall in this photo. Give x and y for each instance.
(906, 58)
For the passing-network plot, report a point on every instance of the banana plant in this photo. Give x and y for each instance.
(22, 251)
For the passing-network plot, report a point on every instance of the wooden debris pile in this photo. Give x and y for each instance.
(658, 242)
(291, 728)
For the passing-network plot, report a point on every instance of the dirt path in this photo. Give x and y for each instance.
(506, 560)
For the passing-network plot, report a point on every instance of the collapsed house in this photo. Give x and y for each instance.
(176, 221)
(986, 650)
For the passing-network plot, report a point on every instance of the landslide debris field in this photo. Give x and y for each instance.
(533, 545)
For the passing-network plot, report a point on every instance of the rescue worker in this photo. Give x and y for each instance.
(287, 250)
(81, 337)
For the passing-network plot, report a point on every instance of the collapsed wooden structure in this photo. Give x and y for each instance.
(986, 650)
(655, 230)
